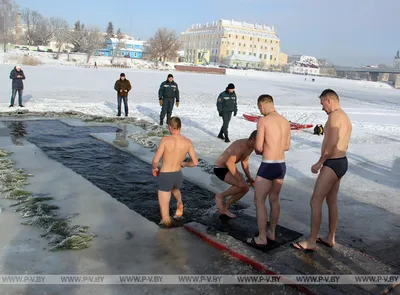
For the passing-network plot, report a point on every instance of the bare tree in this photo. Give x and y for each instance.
(47, 28)
(8, 11)
(62, 36)
(34, 22)
(79, 36)
(163, 45)
(93, 42)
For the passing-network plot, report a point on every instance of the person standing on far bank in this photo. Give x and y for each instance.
(17, 75)
(167, 94)
(226, 105)
(122, 86)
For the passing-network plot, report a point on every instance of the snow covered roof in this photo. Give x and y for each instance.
(244, 57)
(127, 41)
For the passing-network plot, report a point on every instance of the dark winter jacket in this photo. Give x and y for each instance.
(17, 82)
(227, 102)
(168, 90)
(122, 85)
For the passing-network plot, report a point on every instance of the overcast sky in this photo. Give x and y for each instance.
(346, 32)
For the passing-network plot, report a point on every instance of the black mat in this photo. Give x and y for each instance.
(244, 227)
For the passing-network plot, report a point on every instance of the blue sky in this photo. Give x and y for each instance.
(346, 32)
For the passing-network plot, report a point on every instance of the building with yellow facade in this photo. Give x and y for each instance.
(233, 43)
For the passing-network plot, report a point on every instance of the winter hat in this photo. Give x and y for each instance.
(230, 86)
(122, 75)
(17, 67)
(170, 76)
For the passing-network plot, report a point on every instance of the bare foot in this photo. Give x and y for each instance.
(271, 235)
(304, 246)
(231, 215)
(257, 240)
(327, 242)
(179, 210)
(166, 222)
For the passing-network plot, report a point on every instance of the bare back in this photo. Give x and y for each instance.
(274, 136)
(175, 148)
(238, 148)
(337, 132)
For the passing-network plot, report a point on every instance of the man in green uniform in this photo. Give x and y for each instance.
(167, 94)
(226, 105)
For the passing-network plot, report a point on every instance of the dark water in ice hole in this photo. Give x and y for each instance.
(120, 174)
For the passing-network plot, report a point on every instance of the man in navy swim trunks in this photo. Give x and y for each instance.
(273, 139)
(225, 170)
(172, 150)
(332, 166)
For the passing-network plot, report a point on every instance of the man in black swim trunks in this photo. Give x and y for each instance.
(332, 166)
(225, 170)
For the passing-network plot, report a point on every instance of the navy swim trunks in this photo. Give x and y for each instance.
(272, 169)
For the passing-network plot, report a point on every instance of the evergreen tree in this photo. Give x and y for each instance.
(110, 30)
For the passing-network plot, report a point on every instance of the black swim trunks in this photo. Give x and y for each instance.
(220, 172)
(338, 165)
(169, 180)
(272, 169)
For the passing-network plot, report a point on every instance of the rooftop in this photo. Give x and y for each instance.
(240, 24)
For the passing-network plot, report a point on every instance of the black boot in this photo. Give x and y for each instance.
(227, 139)
(221, 135)
(161, 122)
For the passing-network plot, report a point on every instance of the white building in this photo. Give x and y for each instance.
(304, 64)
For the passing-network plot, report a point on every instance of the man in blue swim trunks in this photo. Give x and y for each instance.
(273, 139)
(332, 166)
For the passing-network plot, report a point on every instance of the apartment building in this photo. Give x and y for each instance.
(218, 42)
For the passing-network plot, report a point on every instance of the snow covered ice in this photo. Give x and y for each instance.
(373, 108)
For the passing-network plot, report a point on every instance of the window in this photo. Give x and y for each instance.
(261, 47)
(251, 46)
(229, 35)
(265, 56)
(272, 48)
(255, 54)
(238, 52)
(251, 38)
(236, 36)
(275, 58)
(258, 39)
(240, 44)
(270, 57)
(243, 37)
(260, 55)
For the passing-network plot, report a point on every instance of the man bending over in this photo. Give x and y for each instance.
(225, 170)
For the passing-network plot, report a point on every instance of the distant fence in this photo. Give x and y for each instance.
(205, 70)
